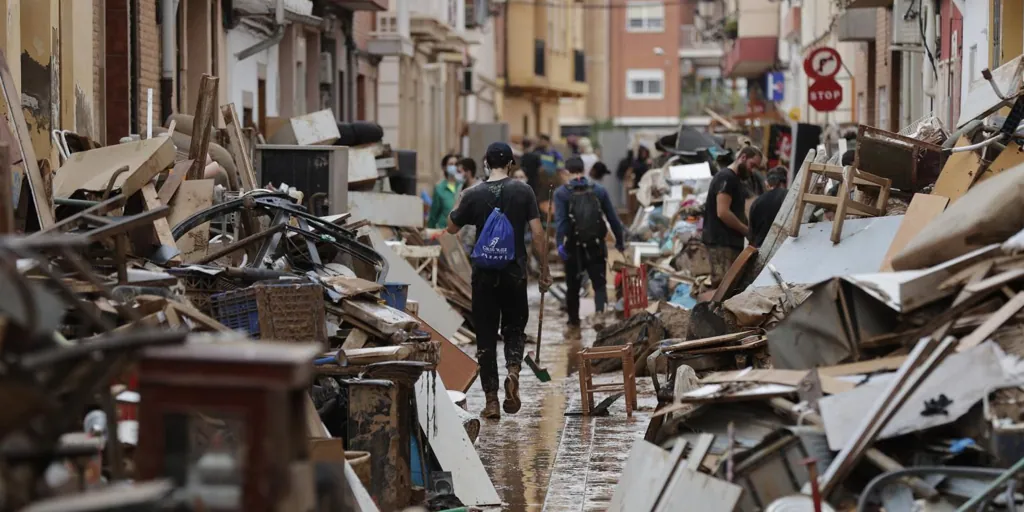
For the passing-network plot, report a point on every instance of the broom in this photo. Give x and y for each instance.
(534, 364)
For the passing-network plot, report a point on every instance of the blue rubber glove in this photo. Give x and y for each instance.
(562, 253)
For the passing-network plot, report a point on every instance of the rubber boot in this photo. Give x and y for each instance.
(512, 402)
(492, 410)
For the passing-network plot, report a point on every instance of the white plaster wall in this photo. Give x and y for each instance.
(485, 71)
(243, 75)
(975, 34)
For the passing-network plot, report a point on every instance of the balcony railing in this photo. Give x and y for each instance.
(690, 39)
(539, 64)
(579, 65)
(722, 101)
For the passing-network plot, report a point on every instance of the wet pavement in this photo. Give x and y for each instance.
(540, 459)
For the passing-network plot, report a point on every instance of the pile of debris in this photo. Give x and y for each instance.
(169, 320)
(868, 357)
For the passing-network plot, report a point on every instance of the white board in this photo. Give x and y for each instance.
(434, 309)
(812, 257)
(963, 377)
(450, 443)
(646, 472)
(692, 490)
(386, 209)
(362, 496)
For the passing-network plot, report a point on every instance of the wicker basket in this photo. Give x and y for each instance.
(278, 312)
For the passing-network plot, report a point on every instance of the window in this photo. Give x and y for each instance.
(645, 17)
(883, 108)
(645, 84)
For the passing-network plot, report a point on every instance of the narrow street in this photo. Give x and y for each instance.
(543, 459)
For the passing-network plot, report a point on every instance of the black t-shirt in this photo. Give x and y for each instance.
(716, 233)
(517, 201)
(763, 212)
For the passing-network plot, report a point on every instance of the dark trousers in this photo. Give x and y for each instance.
(595, 266)
(499, 301)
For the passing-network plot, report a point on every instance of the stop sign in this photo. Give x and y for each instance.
(825, 95)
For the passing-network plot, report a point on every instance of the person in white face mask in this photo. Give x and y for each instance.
(445, 193)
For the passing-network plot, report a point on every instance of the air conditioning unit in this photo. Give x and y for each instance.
(907, 20)
(467, 81)
(326, 68)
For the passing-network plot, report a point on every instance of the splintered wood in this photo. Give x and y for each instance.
(202, 127)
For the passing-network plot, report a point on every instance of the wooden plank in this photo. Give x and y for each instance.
(356, 339)
(870, 366)
(647, 470)
(202, 126)
(351, 286)
(161, 226)
(923, 209)
(6, 191)
(458, 370)
(1008, 158)
(192, 196)
(92, 170)
(451, 444)
(699, 450)
(734, 273)
(994, 321)
(830, 385)
(29, 165)
(173, 181)
(237, 147)
(959, 172)
(699, 492)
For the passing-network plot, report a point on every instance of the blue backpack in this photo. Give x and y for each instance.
(496, 245)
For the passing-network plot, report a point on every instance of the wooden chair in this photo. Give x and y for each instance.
(627, 386)
(634, 290)
(850, 179)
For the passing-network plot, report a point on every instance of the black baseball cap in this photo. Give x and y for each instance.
(498, 155)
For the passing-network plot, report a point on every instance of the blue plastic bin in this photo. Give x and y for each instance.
(395, 295)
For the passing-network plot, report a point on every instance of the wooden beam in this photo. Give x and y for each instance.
(237, 146)
(202, 127)
(40, 72)
(28, 166)
(161, 226)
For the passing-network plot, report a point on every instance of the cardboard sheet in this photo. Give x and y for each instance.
(923, 209)
(958, 173)
(92, 170)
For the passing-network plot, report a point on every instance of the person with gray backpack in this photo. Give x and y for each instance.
(581, 208)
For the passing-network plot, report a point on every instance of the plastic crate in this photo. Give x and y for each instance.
(278, 312)
(200, 287)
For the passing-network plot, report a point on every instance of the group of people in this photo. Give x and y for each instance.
(503, 212)
(740, 209)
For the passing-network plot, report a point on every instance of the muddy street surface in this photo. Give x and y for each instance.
(541, 459)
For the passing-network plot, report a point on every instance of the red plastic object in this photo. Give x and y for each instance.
(634, 289)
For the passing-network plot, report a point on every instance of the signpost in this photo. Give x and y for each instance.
(822, 65)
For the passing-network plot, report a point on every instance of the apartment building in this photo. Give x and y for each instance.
(645, 75)
(542, 59)
(578, 115)
(423, 48)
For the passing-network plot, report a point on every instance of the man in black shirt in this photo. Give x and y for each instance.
(725, 223)
(767, 205)
(499, 295)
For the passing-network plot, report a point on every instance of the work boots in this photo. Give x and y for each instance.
(512, 401)
(491, 411)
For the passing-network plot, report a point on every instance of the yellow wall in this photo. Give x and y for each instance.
(519, 109)
(1012, 30)
(555, 23)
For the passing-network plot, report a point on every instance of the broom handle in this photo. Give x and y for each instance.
(540, 316)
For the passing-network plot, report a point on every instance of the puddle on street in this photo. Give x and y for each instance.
(540, 459)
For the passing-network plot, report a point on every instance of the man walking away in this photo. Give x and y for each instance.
(767, 205)
(501, 208)
(725, 226)
(581, 207)
(551, 160)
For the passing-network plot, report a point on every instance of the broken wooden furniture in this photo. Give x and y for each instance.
(909, 164)
(850, 179)
(285, 311)
(634, 289)
(420, 257)
(627, 386)
(228, 418)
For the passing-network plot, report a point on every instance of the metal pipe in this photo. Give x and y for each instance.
(168, 36)
(965, 471)
(271, 41)
(992, 487)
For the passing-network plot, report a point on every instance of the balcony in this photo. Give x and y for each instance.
(387, 40)
(579, 66)
(790, 30)
(693, 46)
(363, 5)
(857, 25)
(750, 57)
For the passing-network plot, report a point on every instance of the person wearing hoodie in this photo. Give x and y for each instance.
(445, 193)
